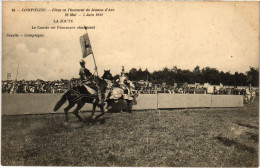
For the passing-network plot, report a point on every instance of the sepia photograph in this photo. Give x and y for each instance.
(130, 84)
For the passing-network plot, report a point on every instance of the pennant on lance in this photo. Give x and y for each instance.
(85, 45)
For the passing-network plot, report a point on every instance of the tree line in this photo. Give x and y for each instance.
(211, 75)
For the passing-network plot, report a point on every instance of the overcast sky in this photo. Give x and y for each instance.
(152, 35)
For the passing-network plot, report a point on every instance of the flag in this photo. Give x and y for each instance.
(8, 76)
(85, 45)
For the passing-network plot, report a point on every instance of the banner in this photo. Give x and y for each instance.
(85, 45)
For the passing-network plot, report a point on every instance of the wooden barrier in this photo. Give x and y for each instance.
(184, 100)
(227, 101)
(145, 101)
(16, 104)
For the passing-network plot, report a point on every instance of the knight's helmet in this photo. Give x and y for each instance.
(123, 77)
(123, 71)
(82, 62)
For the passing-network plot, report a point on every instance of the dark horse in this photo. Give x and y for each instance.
(80, 95)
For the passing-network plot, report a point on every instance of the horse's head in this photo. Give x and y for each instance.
(107, 75)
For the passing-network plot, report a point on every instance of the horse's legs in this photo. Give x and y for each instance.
(252, 99)
(102, 112)
(94, 109)
(66, 110)
(76, 111)
(108, 106)
(129, 106)
(248, 99)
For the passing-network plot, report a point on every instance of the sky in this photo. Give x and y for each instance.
(152, 35)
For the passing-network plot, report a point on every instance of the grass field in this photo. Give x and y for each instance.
(181, 137)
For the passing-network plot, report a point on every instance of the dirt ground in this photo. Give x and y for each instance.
(208, 137)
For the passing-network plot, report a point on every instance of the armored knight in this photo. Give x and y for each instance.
(85, 76)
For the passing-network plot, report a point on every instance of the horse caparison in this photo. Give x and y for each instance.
(78, 95)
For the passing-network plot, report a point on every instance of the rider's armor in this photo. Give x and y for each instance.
(85, 76)
(122, 80)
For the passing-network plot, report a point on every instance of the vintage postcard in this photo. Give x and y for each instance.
(138, 84)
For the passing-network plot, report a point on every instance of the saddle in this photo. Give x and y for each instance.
(89, 86)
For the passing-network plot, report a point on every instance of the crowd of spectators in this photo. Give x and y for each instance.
(192, 89)
(60, 86)
(34, 86)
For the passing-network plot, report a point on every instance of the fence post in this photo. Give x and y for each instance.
(157, 104)
(211, 97)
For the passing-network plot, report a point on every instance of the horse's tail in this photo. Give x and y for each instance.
(60, 102)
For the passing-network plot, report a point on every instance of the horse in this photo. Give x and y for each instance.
(115, 93)
(79, 95)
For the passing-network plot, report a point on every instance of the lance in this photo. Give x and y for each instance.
(92, 52)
